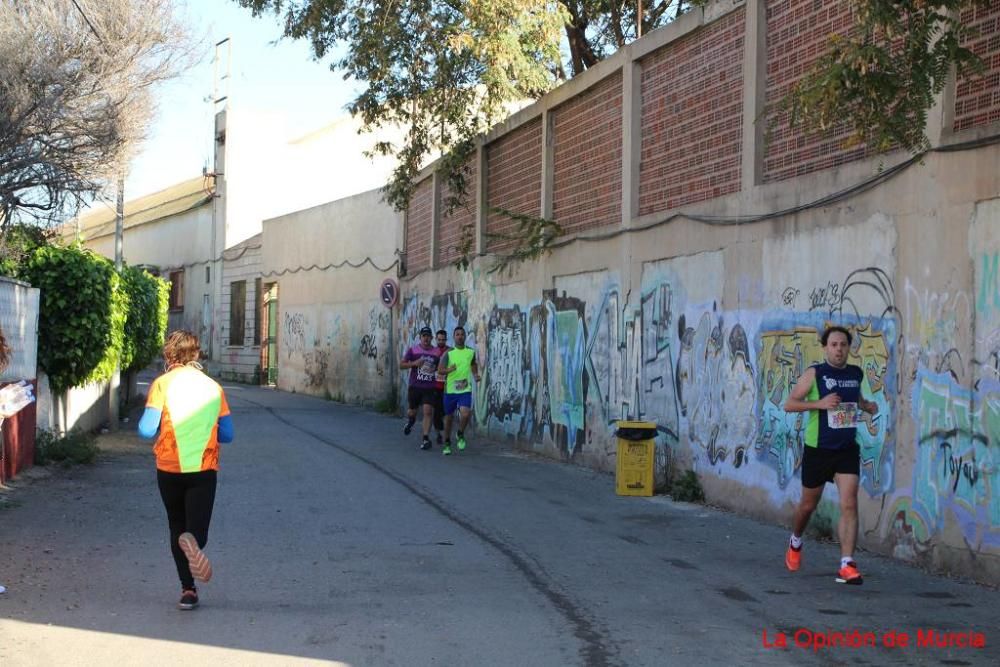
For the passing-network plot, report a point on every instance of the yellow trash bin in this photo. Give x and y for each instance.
(636, 458)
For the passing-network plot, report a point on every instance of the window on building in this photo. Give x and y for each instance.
(177, 290)
(258, 305)
(237, 311)
(208, 274)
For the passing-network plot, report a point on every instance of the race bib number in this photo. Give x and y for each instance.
(844, 415)
(461, 385)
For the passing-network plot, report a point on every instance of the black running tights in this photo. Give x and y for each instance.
(188, 498)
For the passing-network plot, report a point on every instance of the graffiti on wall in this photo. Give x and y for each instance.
(374, 344)
(295, 333)
(504, 369)
(565, 347)
(564, 369)
(988, 299)
(862, 293)
(931, 321)
(629, 362)
(716, 389)
(442, 311)
(957, 470)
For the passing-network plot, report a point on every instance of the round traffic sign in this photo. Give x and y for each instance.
(388, 292)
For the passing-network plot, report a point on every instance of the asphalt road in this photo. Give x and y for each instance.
(336, 541)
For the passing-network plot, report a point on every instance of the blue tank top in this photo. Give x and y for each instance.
(835, 429)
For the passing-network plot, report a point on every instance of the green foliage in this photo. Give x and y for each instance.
(82, 315)
(687, 488)
(883, 77)
(146, 324)
(18, 243)
(75, 447)
(445, 71)
(533, 239)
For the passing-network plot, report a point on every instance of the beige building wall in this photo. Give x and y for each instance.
(334, 337)
(176, 243)
(240, 361)
(272, 168)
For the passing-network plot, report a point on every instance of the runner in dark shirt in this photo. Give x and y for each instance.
(830, 393)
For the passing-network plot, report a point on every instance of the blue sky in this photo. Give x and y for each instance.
(277, 77)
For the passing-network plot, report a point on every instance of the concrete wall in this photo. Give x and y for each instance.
(335, 337)
(690, 312)
(86, 407)
(242, 262)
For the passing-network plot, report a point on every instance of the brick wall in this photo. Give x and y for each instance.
(587, 158)
(464, 216)
(691, 125)
(692, 107)
(418, 227)
(514, 165)
(798, 33)
(977, 99)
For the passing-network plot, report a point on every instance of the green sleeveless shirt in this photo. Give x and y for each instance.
(459, 379)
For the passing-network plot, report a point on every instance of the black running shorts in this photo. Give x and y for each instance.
(820, 465)
(417, 396)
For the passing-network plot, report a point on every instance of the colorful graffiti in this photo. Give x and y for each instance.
(565, 345)
(957, 470)
(988, 300)
(932, 321)
(561, 371)
(443, 311)
(629, 360)
(715, 388)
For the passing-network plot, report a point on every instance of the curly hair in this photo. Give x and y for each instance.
(181, 348)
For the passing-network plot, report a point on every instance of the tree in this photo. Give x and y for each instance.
(17, 244)
(448, 70)
(75, 96)
(882, 77)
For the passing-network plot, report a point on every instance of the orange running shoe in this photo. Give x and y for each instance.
(201, 569)
(849, 575)
(793, 558)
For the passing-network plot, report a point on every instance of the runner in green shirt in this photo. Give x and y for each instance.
(458, 366)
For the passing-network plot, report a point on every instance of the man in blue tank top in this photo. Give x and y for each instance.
(830, 393)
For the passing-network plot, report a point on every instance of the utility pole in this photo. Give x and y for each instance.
(120, 222)
(638, 19)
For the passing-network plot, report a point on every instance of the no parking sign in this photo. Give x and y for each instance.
(388, 292)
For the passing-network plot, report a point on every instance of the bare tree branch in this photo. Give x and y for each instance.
(75, 96)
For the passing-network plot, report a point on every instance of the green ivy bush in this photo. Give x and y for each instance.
(146, 324)
(83, 309)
